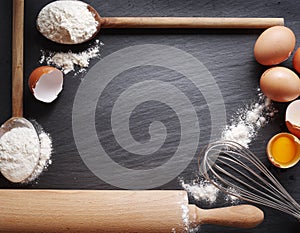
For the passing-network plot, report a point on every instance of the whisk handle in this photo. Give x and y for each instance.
(241, 216)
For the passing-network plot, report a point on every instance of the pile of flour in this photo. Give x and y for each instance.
(19, 153)
(247, 121)
(71, 61)
(24, 154)
(67, 23)
(45, 156)
(202, 190)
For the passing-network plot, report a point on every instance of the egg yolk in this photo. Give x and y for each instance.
(283, 150)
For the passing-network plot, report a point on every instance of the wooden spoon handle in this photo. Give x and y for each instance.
(17, 58)
(188, 22)
(242, 216)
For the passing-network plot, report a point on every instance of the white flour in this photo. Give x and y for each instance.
(67, 22)
(249, 120)
(20, 159)
(45, 156)
(203, 190)
(19, 153)
(185, 213)
(231, 198)
(70, 61)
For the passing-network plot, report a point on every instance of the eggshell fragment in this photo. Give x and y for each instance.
(274, 45)
(292, 118)
(280, 84)
(46, 83)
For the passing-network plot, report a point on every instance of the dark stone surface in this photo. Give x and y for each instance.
(227, 54)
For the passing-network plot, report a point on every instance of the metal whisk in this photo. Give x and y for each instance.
(237, 171)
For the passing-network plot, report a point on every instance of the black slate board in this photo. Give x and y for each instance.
(227, 54)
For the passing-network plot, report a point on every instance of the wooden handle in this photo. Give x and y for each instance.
(188, 22)
(17, 58)
(242, 216)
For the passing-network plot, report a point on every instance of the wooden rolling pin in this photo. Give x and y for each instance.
(113, 211)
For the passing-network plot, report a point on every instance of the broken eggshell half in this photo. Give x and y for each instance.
(292, 118)
(45, 83)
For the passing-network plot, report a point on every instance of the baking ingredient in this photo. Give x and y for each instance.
(21, 158)
(19, 153)
(274, 45)
(280, 84)
(292, 117)
(69, 61)
(203, 190)
(46, 82)
(66, 61)
(248, 120)
(296, 60)
(232, 199)
(67, 22)
(45, 156)
(185, 216)
(284, 150)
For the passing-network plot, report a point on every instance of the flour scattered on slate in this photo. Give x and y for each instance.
(70, 61)
(247, 121)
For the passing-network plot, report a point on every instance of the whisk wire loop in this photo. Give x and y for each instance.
(275, 196)
(237, 171)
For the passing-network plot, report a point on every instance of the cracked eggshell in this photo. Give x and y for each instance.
(292, 118)
(45, 83)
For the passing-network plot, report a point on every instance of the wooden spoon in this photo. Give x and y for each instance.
(172, 22)
(17, 120)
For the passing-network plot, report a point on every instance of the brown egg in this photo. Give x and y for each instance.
(274, 45)
(296, 60)
(280, 84)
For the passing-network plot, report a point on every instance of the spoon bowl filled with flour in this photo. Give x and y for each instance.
(25, 150)
(68, 22)
(19, 149)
